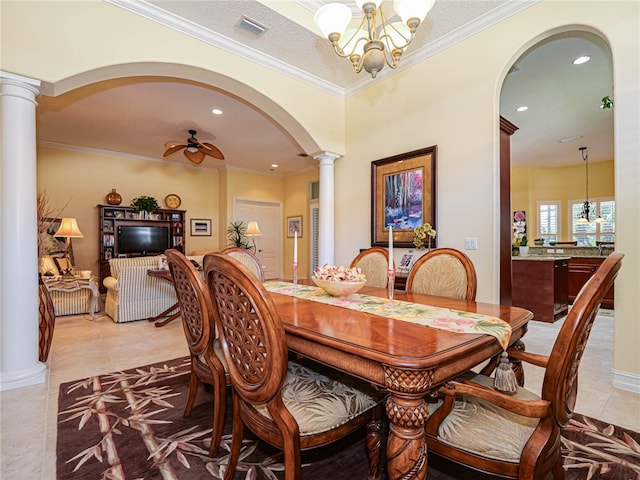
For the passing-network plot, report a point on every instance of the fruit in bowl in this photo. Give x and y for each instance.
(339, 281)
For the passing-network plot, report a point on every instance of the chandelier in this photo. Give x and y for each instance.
(376, 41)
(583, 219)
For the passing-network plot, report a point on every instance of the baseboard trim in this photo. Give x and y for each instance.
(626, 381)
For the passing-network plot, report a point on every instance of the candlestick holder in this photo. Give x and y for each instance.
(295, 274)
(391, 273)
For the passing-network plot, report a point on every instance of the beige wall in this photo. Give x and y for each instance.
(84, 179)
(565, 184)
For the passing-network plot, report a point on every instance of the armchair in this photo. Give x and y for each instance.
(519, 436)
(132, 294)
(66, 302)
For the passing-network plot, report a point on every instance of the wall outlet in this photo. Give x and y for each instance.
(470, 243)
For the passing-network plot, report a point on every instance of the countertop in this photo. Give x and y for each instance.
(541, 258)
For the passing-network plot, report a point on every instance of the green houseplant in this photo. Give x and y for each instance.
(236, 235)
(145, 204)
(524, 247)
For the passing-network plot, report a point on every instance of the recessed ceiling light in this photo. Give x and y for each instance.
(581, 60)
(274, 165)
(216, 111)
(522, 108)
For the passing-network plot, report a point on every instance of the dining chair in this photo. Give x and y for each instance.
(46, 321)
(374, 263)
(207, 360)
(285, 403)
(445, 272)
(248, 259)
(518, 436)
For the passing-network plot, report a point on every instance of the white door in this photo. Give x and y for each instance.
(269, 244)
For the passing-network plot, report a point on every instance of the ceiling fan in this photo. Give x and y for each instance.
(194, 150)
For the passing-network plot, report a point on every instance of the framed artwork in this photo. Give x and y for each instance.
(519, 225)
(200, 227)
(403, 195)
(294, 224)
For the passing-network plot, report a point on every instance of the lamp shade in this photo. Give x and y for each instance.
(253, 230)
(69, 228)
(412, 9)
(333, 18)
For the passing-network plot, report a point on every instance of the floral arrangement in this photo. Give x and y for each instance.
(339, 274)
(422, 233)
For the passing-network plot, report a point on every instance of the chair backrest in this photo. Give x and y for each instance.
(46, 321)
(374, 263)
(195, 304)
(247, 258)
(560, 383)
(445, 272)
(253, 338)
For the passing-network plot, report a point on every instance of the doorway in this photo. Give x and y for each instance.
(269, 244)
(563, 99)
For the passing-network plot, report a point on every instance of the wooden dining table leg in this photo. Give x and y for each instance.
(407, 412)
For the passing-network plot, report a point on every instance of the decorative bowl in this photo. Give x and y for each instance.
(338, 288)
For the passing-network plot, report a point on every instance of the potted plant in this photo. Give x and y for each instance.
(145, 204)
(236, 235)
(523, 247)
(538, 242)
(422, 233)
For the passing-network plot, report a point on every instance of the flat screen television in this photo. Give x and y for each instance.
(143, 239)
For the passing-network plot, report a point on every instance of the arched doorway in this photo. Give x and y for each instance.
(564, 113)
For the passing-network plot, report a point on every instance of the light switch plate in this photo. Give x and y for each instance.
(471, 243)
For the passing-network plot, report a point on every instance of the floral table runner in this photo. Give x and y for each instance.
(429, 316)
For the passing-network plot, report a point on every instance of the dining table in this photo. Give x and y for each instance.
(410, 361)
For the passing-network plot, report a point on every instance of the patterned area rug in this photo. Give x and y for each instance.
(129, 425)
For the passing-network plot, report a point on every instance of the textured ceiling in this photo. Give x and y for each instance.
(134, 117)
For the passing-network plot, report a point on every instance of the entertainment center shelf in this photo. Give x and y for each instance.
(127, 233)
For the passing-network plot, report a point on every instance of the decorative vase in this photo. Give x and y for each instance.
(114, 198)
(524, 251)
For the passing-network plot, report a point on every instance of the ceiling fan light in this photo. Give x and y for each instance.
(333, 18)
(408, 9)
(192, 148)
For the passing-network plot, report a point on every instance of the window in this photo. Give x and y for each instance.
(589, 233)
(548, 221)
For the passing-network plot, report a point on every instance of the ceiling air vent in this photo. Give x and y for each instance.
(252, 26)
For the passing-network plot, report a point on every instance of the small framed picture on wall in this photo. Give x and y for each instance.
(200, 227)
(294, 224)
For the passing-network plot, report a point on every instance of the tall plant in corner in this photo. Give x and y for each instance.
(236, 235)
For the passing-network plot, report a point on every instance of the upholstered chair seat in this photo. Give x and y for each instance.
(66, 302)
(320, 403)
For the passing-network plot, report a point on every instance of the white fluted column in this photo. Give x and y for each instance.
(19, 365)
(326, 248)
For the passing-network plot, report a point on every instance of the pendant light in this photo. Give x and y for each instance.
(583, 219)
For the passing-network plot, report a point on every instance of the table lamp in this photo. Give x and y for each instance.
(253, 231)
(68, 229)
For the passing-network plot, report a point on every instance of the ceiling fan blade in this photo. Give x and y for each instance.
(172, 150)
(196, 157)
(174, 143)
(212, 151)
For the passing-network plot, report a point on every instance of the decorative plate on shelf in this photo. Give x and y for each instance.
(172, 200)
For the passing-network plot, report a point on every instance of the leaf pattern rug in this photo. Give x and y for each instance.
(130, 425)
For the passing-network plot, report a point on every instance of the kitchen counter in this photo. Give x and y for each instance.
(544, 258)
(540, 284)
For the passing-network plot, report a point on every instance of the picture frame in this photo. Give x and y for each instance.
(294, 224)
(403, 194)
(200, 227)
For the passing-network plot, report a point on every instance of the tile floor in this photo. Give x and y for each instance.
(82, 348)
